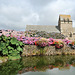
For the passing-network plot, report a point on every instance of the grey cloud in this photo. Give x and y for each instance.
(16, 14)
(12, 16)
(38, 5)
(40, 2)
(50, 13)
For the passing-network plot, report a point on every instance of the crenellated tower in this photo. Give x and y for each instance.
(65, 25)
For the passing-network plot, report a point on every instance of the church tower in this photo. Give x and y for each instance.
(65, 25)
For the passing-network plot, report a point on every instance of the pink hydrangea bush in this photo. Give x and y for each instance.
(72, 44)
(42, 42)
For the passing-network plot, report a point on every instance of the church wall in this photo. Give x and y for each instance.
(66, 28)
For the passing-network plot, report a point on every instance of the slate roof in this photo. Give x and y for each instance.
(47, 28)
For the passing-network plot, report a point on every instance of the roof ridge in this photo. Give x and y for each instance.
(41, 25)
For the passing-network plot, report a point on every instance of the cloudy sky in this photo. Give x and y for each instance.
(16, 14)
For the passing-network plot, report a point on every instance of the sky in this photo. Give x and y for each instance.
(16, 14)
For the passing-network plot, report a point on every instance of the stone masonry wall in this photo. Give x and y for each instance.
(30, 50)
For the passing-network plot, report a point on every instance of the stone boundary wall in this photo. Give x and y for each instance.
(31, 50)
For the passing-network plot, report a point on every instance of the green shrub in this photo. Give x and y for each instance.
(10, 47)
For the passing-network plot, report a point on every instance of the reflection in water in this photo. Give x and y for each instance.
(42, 65)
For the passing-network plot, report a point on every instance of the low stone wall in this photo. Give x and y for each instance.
(30, 50)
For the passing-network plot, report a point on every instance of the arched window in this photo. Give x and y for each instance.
(68, 20)
(64, 20)
(70, 34)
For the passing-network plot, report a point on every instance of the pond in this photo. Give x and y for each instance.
(40, 65)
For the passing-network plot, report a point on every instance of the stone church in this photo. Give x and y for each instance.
(64, 27)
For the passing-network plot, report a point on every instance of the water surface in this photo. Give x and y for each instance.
(40, 65)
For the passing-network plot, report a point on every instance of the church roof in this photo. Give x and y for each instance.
(47, 28)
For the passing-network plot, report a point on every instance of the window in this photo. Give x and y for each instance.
(64, 20)
(73, 33)
(70, 34)
(68, 20)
